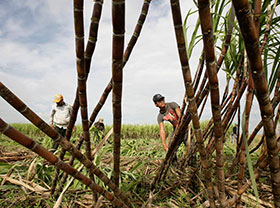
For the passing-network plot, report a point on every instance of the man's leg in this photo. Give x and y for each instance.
(62, 132)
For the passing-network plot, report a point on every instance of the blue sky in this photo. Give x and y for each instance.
(38, 58)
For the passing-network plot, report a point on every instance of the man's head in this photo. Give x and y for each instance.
(58, 99)
(159, 100)
(100, 120)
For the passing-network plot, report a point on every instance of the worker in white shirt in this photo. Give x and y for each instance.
(59, 116)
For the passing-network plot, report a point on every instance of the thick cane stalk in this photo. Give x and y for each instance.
(257, 14)
(250, 37)
(14, 101)
(118, 17)
(201, 94)
(127, 53)
(208, 42)
(129, 48)
(96, 14)
(192, 108)
(248, 106)
(43, 152)
(82, 75)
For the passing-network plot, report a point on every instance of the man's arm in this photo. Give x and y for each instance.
(163, 136)
(51, 117)
(178, 112)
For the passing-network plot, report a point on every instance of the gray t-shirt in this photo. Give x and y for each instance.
(169, 114)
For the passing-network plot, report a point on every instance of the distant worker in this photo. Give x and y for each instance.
(98, 130)
(167, 112)
(100, 125)
(59, 116)
(234, 133)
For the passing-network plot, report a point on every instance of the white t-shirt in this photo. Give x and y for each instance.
(60, 115)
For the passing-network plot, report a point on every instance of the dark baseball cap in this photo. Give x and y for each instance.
(157, 97)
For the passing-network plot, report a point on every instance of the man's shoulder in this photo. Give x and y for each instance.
(68, 105)
(172, 104)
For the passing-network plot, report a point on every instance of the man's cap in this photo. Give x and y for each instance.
(58, 98)
(101, 120)
(157, 97)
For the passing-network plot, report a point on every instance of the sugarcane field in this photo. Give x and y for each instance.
(193, 120)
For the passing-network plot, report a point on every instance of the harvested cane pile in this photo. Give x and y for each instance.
(205, 176)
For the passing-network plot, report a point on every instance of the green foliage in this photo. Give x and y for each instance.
(140, 149)
(248, 157)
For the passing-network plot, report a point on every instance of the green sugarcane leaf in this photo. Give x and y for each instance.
(249, 161)
(274, 71)
(195, 36)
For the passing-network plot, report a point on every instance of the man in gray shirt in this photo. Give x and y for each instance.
(59, 116)
(167, 112)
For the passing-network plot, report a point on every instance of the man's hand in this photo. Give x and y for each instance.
(52, 126)
(166, 148)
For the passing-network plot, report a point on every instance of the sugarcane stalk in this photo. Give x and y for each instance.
(231, 111)
(93, 32)
(127, 53)
(198, 72)
(257, 14)
(203, 106)
(249, 101)
(82, 75)
(14, 101)
(275, 102)
(268, 24)
(118, 18)
(43, 152)
(203, 91)
(199, 97)
(185, 121)
(208, 42)
(96, 14)
(250, 37)
(129, 48)
(227, 108)
(176, 139)
(242, 156)
(192, 107)
(71, 161)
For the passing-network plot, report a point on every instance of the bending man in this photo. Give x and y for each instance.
(167, 112)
